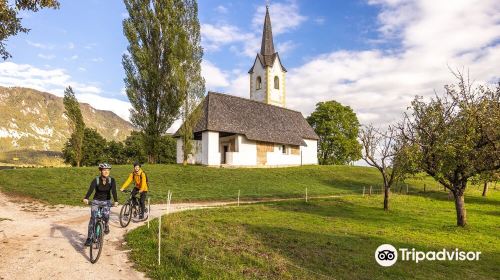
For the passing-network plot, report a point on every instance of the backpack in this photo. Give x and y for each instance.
(98, 178)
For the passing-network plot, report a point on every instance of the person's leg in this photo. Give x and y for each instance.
(93, 213)
(134, 198)
(143, 202)
(106, 210)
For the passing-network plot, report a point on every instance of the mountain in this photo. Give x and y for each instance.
(35, 120)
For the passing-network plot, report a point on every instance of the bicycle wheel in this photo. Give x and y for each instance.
(97, 240)
(125, 214)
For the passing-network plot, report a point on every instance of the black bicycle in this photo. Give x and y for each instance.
(97, 235)
(131, 210)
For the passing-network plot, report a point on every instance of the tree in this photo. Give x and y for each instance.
(456, 136)
(485, 178)
(10, 22)
(168, 151)
(115, 153)
(93, 149)
(134, 147)
(163, 64)
(337, 127)
(76, 123)
(388, 153)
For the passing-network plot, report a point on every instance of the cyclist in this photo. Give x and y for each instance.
(103, 186)
(141, 187)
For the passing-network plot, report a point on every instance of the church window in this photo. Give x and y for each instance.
(259, 83)
(276, 82)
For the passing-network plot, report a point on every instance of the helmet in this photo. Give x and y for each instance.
(137, 164)
(104, 166)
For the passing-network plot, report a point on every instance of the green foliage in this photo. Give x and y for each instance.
(162, 65)
(115, 152)
(321, 239)
(167, 146)
(10, 22)
(134, 147)
(337, 127)
(93, 149)
(76, 124)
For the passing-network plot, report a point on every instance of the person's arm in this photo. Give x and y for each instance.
(113, 189)
(91, 189)
(129, 180)
(143, 182)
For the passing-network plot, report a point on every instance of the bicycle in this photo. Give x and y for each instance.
(97, 235)
(130, 210)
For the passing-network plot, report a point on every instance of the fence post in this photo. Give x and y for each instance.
(149, 209)
(406, 189)
(306, 194)
(238, 197)
(370, 190)
(159, 239)
(363, 191)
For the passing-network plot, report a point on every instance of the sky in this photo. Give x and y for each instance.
(373, 55)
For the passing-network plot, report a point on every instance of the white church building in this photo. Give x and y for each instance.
(255, 132)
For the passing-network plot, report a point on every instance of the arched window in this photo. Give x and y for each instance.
(258, 83)
(276, 82)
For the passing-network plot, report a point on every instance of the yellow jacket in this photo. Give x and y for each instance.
(139, 179)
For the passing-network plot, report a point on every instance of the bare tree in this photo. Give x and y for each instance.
(384, 151)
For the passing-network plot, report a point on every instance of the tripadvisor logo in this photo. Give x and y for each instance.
(387, 255)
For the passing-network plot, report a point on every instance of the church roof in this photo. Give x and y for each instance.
(267, 55)
(256, 120)
(267, 46)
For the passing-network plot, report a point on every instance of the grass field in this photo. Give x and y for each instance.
(197, 183)
(331, 238)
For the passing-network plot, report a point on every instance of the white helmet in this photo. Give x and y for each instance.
(104, 166)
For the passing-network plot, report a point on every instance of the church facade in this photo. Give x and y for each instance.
(255, 132)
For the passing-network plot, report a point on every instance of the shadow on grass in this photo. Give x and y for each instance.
(442, 196)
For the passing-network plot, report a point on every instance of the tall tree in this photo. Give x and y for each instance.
(389, 154)
(457, 136)
(76, 123)
(337, 127)
(162, 67)
(10, 22)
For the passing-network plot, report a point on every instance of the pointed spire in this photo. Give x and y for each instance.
(267, 47)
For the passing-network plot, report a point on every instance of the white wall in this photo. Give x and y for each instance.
(277, 96)
(258, 94)
(195, 157)
(247, 152)
(210, 148)
(310, 152)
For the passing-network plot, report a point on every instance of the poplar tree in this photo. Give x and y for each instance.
(162, 66)
(76, 124)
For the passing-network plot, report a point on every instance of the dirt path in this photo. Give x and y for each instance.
(46, 242)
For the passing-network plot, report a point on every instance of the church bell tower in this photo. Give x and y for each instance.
(267, 75)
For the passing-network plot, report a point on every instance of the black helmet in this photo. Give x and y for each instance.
(104, 166)
(136, 164)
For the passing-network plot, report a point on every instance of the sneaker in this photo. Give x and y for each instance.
(88, 242)
(106, 229)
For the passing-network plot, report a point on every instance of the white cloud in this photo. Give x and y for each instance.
(70, 45)
(83, 69)
(285, 16)
(215, 36)
(214, 77)
(379, 84)
(97, 59)
(40, 45)
(55, 81)
(221, 9)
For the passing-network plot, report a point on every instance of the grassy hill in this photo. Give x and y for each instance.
(198, 183)
(34, 120)
(324, 239)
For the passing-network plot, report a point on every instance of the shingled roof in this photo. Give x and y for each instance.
(256, 120)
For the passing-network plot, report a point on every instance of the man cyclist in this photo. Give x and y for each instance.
(103, 185)
(141, 186)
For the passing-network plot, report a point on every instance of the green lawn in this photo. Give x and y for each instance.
(322, 239)
(198, 183)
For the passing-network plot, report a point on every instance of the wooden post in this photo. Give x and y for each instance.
(149, 210)
(306, 194)
(238, 197)
(363, 191)
(406, 189)
(424, 187)
(370, 190)
(159, 239)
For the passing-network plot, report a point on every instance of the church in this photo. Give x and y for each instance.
(255, 132)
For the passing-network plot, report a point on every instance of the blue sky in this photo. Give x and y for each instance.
(373, 55)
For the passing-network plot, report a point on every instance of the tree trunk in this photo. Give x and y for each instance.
(460, 207)
(485, 189)
(387, 192)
